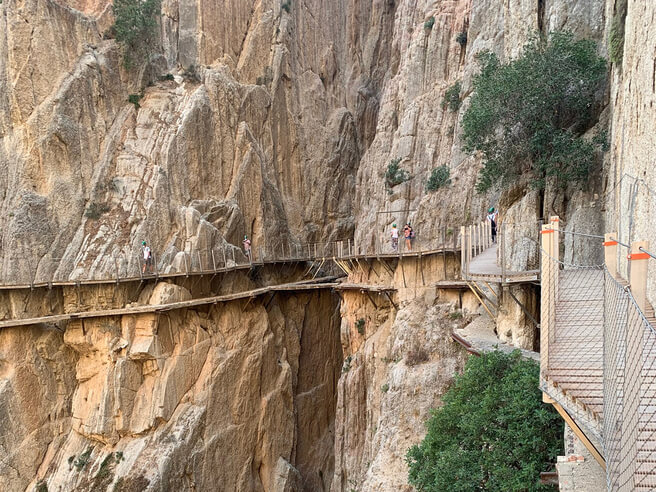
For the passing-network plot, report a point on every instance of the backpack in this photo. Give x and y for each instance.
(412, 234)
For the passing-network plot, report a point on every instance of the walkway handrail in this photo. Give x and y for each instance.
(130, 267)
(598, 353)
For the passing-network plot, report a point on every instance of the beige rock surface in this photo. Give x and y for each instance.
(284, 133)
(245, 398)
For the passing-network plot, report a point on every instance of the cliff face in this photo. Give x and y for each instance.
(630, 192)
(238, 394)
(279, 122)
(278, 105)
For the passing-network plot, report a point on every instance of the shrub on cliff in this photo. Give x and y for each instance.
(493, 432)
(452, 98)
(395, 175)
(135, 25)
(527, 116)
(440, 177)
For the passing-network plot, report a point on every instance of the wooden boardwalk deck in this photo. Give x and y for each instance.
(306, 285)
(484, 267)
(576, 347)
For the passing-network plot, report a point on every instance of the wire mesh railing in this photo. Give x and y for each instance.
(598, 352)
(629, 389)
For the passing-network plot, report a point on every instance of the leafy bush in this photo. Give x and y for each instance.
(167, 77)
(461, 38)
(440, 176)
(135, 25)
(41, 485)
(452, 98)
(286, 5)
(527, 116)
(455, 315)
(616, 34)
(384, 388)
(429, 23)
(95, 210)
(359, 324)
(134, 99)
(493, 432)
(82, 460)
(395, 175)
(347, 364)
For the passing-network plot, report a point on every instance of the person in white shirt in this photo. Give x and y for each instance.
(395, 238)
(147, 257)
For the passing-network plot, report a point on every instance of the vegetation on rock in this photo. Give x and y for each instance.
(493, 432)
(461, 38)
(395, 175)
(616, 35)
(440, 177)
(452, 97)
(429, 23)
(135, 26)
(527, 116)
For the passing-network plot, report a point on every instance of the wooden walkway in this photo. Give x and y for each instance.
(484, 267)
(576, 348)
(240, 266)
(306, 285)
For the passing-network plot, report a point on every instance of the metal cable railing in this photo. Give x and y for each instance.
(598, 354)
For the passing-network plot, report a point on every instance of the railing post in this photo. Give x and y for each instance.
(462, 252)
(610, 253)
(638, 273)
(501, 242)
(555, 237)
(547, 295)
(469, 248)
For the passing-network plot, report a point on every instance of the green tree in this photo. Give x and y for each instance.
(493, 432)
(135, 26)
(528, 115)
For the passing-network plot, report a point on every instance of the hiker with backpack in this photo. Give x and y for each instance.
(147, 257)
(408, 235)
(493, 217)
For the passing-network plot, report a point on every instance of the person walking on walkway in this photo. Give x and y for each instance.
(492, 217)
(147, 257)
(247, 248)
(408, 235)
(395, 238)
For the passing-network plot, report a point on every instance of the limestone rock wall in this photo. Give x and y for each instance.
(184, 400)
(276, 104)
(398, 359)
(630, 191)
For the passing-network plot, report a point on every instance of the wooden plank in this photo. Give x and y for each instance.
(295, 287)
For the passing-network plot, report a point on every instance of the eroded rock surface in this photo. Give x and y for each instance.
(184, 400)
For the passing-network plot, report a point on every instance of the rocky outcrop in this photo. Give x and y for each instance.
(188, 399)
